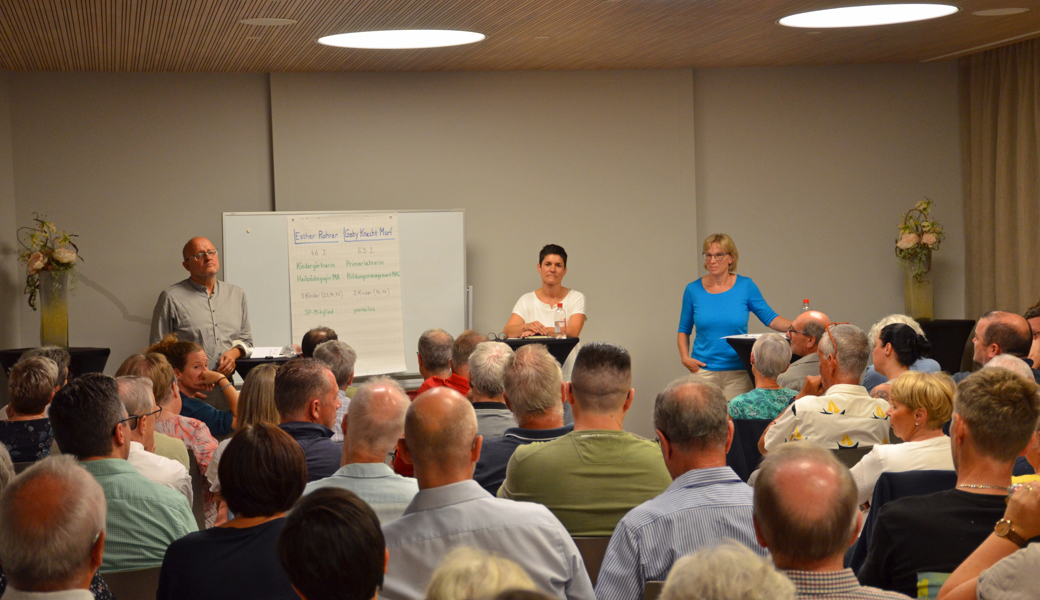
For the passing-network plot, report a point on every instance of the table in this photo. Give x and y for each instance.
(244, 365)
(559, 348)
(81, 360)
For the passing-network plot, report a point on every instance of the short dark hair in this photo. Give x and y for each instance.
(907, 344)
(59, 355)
(1012, 340)
(262, 472)
(316, 336)
(332, 547)
(435, 349)
(297, 382)
(463, 347)
(601, 377)
(549, 249)
(692, 414)
(1033, 311)
(84, 414)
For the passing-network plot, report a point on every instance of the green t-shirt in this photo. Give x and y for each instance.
(172, 448)
(589, 479)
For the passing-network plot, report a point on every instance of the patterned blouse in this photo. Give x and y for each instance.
(761, 403)
(197, 438)
(97, 587)
(27, 441)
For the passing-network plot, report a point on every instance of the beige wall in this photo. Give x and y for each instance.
(808, 168)
(11, 284)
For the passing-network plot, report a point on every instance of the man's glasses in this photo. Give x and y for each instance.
(791, 330)
(134, 420)
(202, 255)
(716, 257)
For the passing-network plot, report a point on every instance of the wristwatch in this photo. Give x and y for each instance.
(1006, 529)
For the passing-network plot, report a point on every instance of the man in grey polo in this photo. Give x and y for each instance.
(373, 426)
(203, 310)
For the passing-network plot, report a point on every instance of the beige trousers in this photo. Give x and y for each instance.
(733, 383)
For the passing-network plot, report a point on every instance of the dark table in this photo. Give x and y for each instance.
(81, 360)
(559, 348)
(743, 345)
(244, 365)
(948, 338)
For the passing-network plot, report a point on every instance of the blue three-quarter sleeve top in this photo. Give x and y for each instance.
(719, 315)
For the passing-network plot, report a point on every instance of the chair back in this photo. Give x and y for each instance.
(21, 466)
(850, 456)
(652, 590)
(141, 584)
(743, 456)
(197, 482)
(891, 486)
(592, 550)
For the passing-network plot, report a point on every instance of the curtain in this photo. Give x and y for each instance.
(1000, 101)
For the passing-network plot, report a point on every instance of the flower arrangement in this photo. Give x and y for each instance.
(45, 249)
(918, 237)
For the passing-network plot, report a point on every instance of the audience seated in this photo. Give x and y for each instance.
(374, 425)
(592, 476)
(314, 338)
(1003, 567)
(340, 358)
(871, 378)
(255, 406)
(919, 405)
(307, 397)
(331, 547)
(191, 433)
(728, 571)
(262, 475)
(451, 510)
(143, 517)
(833, 410)
(805, 334)
(52, 533)
(195, 381)
(770, 356)
(27, 431)
(136, 394)
(487, 363)
(470, 574)
(915, 538)
(806, 516)
(532, 390)
(706, 504)
(896, 348)
(458, 364)
(999, 332)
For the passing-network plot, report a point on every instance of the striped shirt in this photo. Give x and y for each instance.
(700, 509)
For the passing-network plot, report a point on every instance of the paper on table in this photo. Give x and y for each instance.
(266, 352)
(344, 273)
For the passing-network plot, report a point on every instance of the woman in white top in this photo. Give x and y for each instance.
(919, 404)
(534, 313)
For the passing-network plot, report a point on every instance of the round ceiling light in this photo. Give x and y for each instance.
(266, 22)
(863, 16)
(402, 39)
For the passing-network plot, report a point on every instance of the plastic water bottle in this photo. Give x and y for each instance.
(561, 322)
(805, 305)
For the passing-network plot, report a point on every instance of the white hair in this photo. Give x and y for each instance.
(1012, 363)
(728, 571)
(772, 354)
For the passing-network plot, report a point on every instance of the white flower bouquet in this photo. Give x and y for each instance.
(45, 249)
(919, 236)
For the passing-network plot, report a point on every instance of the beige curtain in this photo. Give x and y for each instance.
(1000, 101)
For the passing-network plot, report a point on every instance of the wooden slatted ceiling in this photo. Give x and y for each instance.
(206, 36)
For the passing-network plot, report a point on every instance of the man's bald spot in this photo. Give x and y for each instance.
(1013, 320)
(192, 247)
(805, 478)
(812, 315)
(376, 417)
(440, 427)
(40, 501)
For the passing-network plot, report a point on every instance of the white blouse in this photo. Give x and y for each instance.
(530, 308)
(896, 458)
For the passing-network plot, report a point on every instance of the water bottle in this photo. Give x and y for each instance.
(805, 305)
(561, 322)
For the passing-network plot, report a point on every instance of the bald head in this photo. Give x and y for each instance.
(376, 418)
(798, 532)
(440, 430)
(999, 332)
(808, 330)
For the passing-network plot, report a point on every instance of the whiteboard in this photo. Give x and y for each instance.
(433, 273)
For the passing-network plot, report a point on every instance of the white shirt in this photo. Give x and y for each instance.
(160, 469)
(531, 309)
(896, 458)
(844, 417)
(13, 594)
(214, 466)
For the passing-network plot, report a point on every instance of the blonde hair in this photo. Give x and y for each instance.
(469, 574)
(930, 391)
(256, 402)
(728, 246)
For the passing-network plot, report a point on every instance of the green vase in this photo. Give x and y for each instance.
(918, 299)
(54, 308)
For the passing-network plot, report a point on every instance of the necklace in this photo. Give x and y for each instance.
(980, 486)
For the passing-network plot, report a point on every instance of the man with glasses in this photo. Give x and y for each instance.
(206, 311)
(137, 397)
(834, 410)
(804, 334)
(143, 517)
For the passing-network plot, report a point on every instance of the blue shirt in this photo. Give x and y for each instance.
(699, 510)
(719, 315)
(872, 379)
(496, 452)
(385, 491)
(323, 454)
(218, 421)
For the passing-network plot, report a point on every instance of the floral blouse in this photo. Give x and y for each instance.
(197, 438)
(27, 441)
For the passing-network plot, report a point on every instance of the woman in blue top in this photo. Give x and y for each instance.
(718, 305)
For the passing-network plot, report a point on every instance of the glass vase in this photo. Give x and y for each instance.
(918, 299)
(54, 308)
